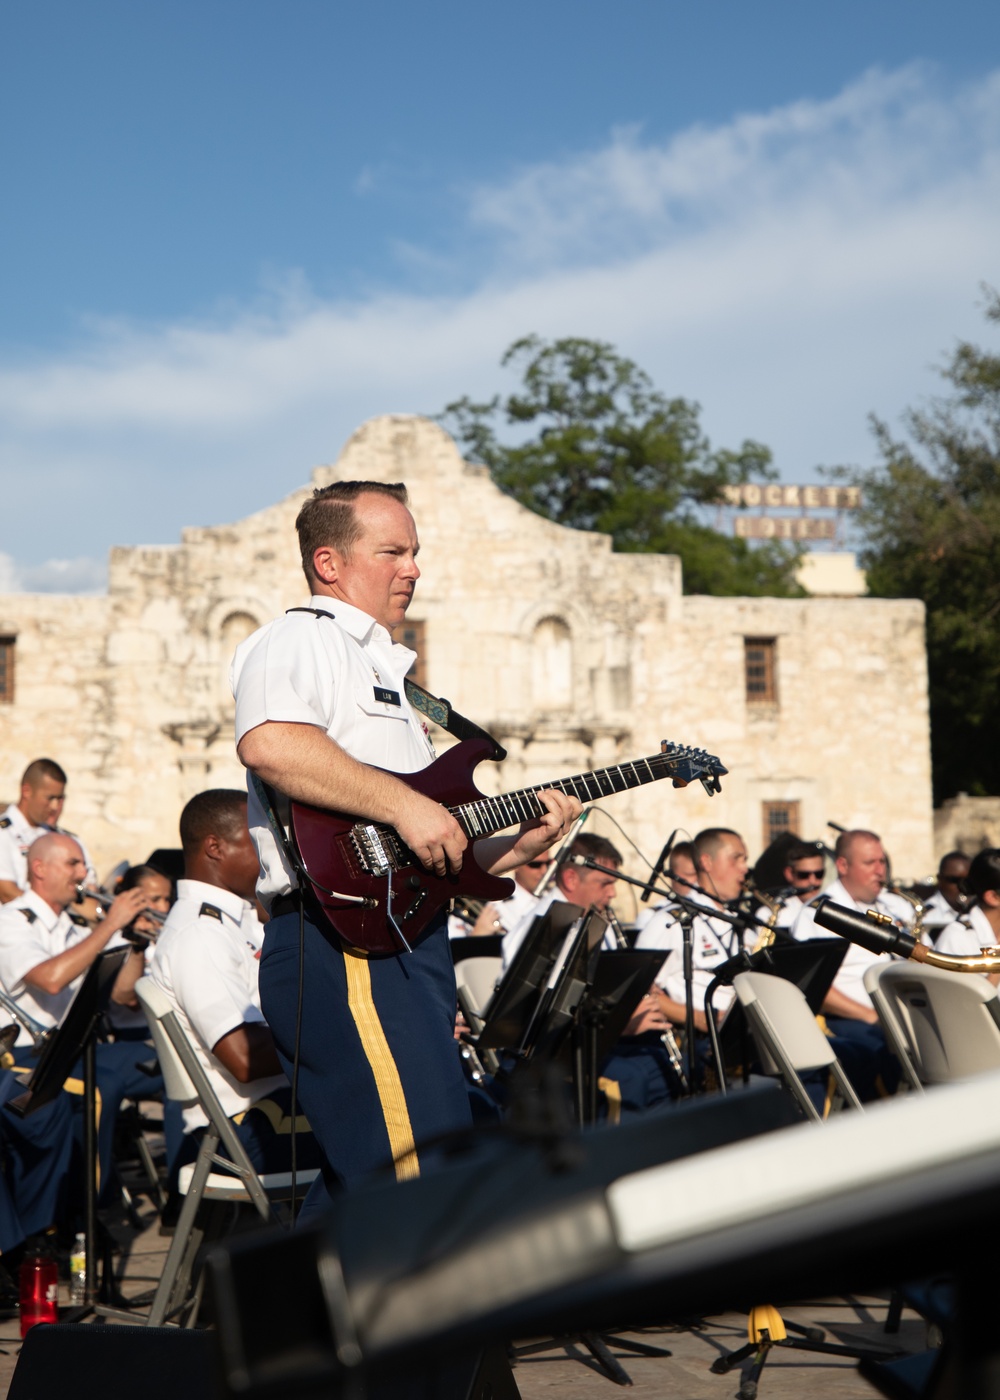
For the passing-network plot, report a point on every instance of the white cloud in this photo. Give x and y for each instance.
(792, 270)
(80, 575)
(10, 578)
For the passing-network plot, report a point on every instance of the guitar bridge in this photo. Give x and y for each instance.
(370, 850)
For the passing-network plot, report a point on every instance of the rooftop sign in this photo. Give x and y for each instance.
(792, 497)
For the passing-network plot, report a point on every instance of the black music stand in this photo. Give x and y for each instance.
(619, 981)
(484, 945)
(74, 1038)
(517, 1003)
(559, 1010)
(593, 996)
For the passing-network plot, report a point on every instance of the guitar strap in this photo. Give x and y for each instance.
(432, 707)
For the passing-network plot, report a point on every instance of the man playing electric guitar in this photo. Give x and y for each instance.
(321, 713)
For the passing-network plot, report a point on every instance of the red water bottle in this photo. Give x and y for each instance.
(39, 1281)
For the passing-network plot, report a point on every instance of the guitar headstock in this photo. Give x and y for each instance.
(684, 765)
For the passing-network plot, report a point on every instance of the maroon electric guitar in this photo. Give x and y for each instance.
(376, 894)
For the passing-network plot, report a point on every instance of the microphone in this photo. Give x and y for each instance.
(873, 931)
(658, 867)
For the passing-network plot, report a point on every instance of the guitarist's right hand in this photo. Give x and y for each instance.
(431, 832)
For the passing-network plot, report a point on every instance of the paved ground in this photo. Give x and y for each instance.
(568, 1371)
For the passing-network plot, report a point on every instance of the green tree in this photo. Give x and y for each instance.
(931, 521)
(609, 452)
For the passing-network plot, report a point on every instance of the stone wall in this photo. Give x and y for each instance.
(968, 824)
(575, 657)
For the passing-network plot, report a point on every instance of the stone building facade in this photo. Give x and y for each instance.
(572, 655)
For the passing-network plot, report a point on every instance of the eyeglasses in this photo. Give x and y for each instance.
(538, 864)
(807, 875)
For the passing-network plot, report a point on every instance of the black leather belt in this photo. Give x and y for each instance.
(286, 904)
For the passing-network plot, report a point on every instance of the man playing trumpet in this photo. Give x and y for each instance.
(45, 952)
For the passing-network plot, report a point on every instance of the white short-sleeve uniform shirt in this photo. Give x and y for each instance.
(967, 935)
(662, 930)
(16, 835)
(850, 979)
(341, 672)
(713, 942)
(31, 932)
(206, 961)
(938, 914)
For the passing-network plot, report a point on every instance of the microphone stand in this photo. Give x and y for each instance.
(561, 852)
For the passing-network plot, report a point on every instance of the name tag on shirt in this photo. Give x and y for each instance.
(387, 697)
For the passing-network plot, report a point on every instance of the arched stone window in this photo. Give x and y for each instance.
(552, 665)
(235, 628)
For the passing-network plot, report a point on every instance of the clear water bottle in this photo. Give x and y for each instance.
(78, 1272)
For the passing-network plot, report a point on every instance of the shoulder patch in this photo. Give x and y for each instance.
(79, 920)
(29, 914)
(210, 911)
(5, 822)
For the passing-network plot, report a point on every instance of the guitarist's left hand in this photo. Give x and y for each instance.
(499, 853)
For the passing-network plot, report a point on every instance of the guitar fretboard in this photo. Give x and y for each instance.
(492, 814)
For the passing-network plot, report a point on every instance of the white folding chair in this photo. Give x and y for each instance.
(788, 1040)
(477, 977)
(236, 1181)
(475, 980)
(950, 1021)
(895, 1036)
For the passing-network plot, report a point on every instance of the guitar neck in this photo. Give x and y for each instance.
(491, 814)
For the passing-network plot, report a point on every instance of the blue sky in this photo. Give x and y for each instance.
(233, 231)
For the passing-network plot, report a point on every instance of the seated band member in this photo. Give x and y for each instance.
(206, 961)
(681, 877)
(720, 860)
(637, 1076)
(850, 1016)
(124, 1013)
(979, 926)
(505, 916)
(323, 717)
(804, 875)
(44, 953)
(35, 813)
(860, 884)
(948, 901)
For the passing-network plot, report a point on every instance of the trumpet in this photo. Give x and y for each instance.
(35, 1029)
(106, 901)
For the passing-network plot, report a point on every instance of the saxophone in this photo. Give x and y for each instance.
(765, 936)
(917, 927)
